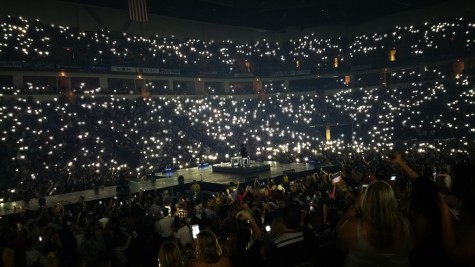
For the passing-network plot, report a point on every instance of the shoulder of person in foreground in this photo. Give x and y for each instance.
(195, 263)
(347, 225)
(223, 261)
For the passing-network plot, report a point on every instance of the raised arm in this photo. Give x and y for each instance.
(460, 249)
(256, 230)
(396, 159)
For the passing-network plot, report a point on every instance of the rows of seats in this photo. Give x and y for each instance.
(48, 142)
(61, 146)
(50, 46)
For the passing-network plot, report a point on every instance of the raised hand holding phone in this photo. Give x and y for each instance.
(244, 215)
(444, 207)
(395, 157)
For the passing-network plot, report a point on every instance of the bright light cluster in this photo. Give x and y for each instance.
(99, 136)
(56, 146)
(385, 116)
(25, 40)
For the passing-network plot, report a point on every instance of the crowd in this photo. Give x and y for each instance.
(59, 146)
(67, 145)
(364, 212)
(35, 45)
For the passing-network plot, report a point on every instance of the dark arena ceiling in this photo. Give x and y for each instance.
(273, 15)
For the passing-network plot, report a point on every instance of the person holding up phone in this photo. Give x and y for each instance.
(247, 242)
(422, 211)
(460, 246)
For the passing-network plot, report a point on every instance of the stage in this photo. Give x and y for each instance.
(252, 168)
(206, 174)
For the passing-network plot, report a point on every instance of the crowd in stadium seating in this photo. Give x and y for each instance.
(34, 45)
(66, 145)
(131, 232)
(58, 146)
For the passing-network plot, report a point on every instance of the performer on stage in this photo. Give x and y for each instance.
(244, 155)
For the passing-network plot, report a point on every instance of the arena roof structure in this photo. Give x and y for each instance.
(274, 15)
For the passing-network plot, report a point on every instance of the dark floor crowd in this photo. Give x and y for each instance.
(356, 213)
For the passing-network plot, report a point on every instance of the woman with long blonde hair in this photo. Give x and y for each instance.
(374, 231)
(170, 255)
(208, 251)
